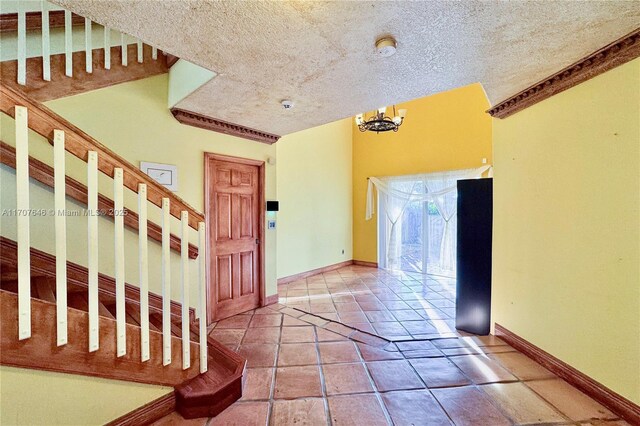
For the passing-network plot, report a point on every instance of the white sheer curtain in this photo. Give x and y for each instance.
(396, 192)
(394, 208)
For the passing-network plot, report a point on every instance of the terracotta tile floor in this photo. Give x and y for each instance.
(392, 304)
(305, 369)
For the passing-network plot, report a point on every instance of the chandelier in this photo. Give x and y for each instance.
(380, 122)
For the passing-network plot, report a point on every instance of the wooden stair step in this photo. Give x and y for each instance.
(193, 332)
(208, 394)
(43, 287)
(156, 320)
(10, 285)
(41, 351)
(132, 314)
(104, 311)
(46, 288)
(78, 301)
(44, 264)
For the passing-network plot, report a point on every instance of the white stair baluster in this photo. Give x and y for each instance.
(61, 235)
(140, 51)
(184, 255)
(22, 206)
(202, 241)
(68, 44)
(154, 53)
(107, 48)
(118, 219)
(22, 46)
(123, 47)
(46, 46)
(92, 255)
(166, 283)
(144, 272)
(88, 45)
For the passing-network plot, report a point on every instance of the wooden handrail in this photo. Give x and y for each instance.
(43, 173)
(33, 20)
(44, 121)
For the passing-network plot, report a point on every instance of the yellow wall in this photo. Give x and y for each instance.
(566, 257)
(32, 397)
(447, 131)
(314, 190)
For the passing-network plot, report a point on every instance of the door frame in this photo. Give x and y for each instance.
(208, 215)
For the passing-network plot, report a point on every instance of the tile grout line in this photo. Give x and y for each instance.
(369, 291)
(271, 400)
(375, 388)
(323, 385)
(353, 282)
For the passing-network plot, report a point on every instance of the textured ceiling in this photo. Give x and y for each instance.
(321, 54)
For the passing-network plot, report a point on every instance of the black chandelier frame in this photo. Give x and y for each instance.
(380, 122)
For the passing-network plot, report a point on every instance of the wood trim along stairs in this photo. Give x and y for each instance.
(44, 121)
(198, 394)
(614, 54)
(61, 85)
(43, 173)
(612, 400)
(148, 413)
(206, 396)
(41, 353)
(199, 397)
(33, 20)
(44, 264)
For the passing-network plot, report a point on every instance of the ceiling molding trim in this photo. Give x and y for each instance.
(617, 53)
(220, 126)
(9, 21)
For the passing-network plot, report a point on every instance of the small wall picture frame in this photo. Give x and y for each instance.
(165, 174)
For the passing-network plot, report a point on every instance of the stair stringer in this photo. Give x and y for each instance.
(41, 352)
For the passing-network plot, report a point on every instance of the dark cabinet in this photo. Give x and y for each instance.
(473, 274)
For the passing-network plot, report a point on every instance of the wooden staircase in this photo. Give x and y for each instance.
(197, 395)
(95, 338)
(74, 334)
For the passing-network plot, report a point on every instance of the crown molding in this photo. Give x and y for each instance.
(216, 125)
(617, 53)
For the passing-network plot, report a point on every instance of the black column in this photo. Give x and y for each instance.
(473, 274)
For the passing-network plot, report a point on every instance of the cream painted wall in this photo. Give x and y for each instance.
(315, 194)
(185, 78)
(566, 258)
(447, 131)
(32, 397)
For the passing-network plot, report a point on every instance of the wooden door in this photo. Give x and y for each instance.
(233, 211)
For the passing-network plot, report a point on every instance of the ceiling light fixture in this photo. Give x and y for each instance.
(379, 122)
